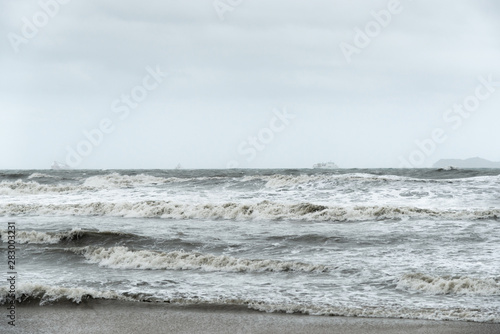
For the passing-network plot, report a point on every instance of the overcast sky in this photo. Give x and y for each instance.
(252, 83)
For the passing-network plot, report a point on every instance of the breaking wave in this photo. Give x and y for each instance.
(123, 258)
(115, 180)
(45, 294)
(277, 182)
(445, 285)
(33, 187)
(32, 237)
(263, 210)
(38, 237)
(39, 175)
(283, 181)
(93, 183)
(453, 314)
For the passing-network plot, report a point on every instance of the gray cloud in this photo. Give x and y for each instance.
(226, 77)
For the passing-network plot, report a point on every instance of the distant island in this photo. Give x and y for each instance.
(467, 163)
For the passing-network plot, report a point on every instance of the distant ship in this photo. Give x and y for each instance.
(179, 166)
(447, 168)
(325, 165)
(59, 165)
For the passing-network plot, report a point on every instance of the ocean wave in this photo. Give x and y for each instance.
(279, 181)
(452, 314)
(38, 237)
(32, 237)
(284, 181)
(445, 285)
(39, 175)
(26, 292)
(124, 258)
(93, 183)
(115, 180)
(46, 295)
(264, 210)
(33, 187)
(272, 182)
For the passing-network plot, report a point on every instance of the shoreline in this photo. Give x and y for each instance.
(120, 317)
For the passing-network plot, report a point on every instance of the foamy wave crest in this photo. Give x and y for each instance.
(33, 187)
(116, 180)
(455, 314)
(38, 237)
(92, 183)
(291, 181)
(32, 237)
(264, 210)
(49, 294)
(283, 181)
(45, 294)
(123, 258)
(39, 175)
(324, 180)
(449, 285)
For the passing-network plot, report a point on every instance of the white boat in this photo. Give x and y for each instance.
(447, 168)
(59, 165)
(179, 166)
(325, 165)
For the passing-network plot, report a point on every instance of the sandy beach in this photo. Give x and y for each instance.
(104, 316)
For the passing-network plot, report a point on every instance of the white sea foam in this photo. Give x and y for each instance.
(33, 187)
(49, 294)
(93, 183)
(454, 314)
(272, 182)
(123, 258)
(438, 285)
(115, 180)
(256, 211)
(39, 237)
(52, 294)
(283, 181)
(33, 237)
(39, 175)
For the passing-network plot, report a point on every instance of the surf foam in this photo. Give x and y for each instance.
(452, 314)
(437, 285)
(115, 180)
(39, 237)
(124, 258)
(32, 237)
(33, 187)
(49, 294)
(39, 175)
(265, 210)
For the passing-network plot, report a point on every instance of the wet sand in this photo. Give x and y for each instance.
(105, 316)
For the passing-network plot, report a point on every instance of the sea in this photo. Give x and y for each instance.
(396, 243)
